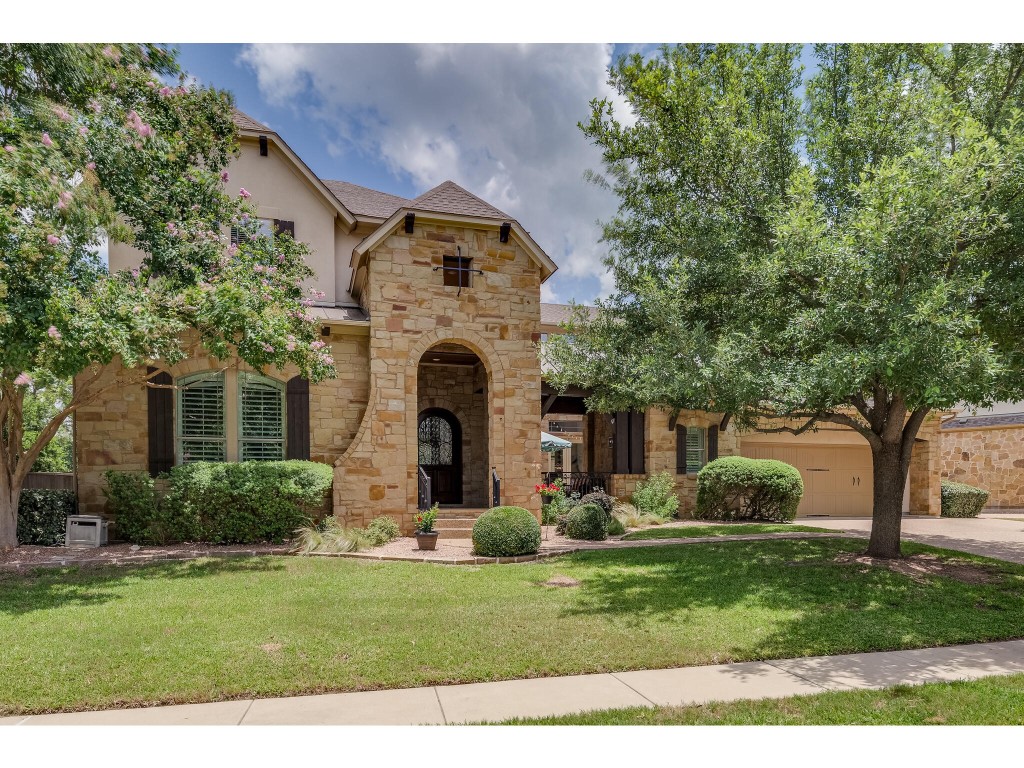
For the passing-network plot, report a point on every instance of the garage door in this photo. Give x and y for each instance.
(837, 478)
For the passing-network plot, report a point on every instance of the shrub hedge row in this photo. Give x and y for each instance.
(42, 516)
(737, 488)
(219, 502)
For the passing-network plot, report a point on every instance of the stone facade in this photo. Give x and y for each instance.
(989, 458)
(411, 311)
(112, 432)
(924, 479)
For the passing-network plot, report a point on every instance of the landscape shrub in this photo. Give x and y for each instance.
(219, 502)
(656, 496)
(603, 500)
(615, 527)
(631, 517)
(506, 532)
(587, 522)
(962, 500)
(737, 488)
(381, 530)
(42, 516)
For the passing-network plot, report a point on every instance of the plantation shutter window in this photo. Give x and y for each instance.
(696, 449)
(261, 422)
(201, 432)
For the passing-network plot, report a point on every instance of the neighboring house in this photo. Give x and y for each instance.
(433, 315)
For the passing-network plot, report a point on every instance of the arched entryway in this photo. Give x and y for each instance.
(439, 442)
(452, 425)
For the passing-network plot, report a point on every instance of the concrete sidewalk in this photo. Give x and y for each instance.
(567, 695)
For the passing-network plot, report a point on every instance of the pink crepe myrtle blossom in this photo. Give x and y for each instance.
(62, 113)
(95, 106)
(268, 347)
(245, 195)
(327, 360)
(110, 53)
(290, 346)
(317, 344)
(22, 380)
(136, 309)
(165, 91)
(64, 199)
(8, 148)
(53, 333)
(91, 166)
(258, 268)
(83, 130)
(317, 294)
(47, 141)
(232, 249)
(306, 302)
(224, 176)
(52, 239)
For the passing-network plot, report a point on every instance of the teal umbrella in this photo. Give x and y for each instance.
(550, 443)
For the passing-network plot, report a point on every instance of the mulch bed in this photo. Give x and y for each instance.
(920, 567)
(26, 557)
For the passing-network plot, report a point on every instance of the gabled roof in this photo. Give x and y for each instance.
(556, 314)
(245, 123)
(449, 197)
(247, 126)
(363, 201)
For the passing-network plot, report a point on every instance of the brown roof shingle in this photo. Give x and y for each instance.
(363, 201)
(556, 314)
(449, 197)
(971, 422)
(246, 123)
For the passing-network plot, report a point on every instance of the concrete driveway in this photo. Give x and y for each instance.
(993, 535)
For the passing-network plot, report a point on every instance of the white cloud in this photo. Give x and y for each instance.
(498, 119)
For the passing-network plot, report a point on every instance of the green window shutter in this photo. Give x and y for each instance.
(201, 418)
(261, 422)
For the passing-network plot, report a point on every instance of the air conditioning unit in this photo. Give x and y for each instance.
(85, 531)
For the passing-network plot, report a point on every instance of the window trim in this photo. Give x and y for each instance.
(245, 377)
(701, 448)
(181, 386)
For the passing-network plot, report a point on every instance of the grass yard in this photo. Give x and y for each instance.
(991, 701)
(723, 529)
(222, 628)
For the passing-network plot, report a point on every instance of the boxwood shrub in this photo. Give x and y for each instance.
(603, 500)
(506, 532)
(587, 522)
(219, 502)
(42, 516)
(736, 488)
(962, 500)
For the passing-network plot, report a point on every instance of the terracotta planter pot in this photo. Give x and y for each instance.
(426, 540)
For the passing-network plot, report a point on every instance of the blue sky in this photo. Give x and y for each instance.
(501, 120)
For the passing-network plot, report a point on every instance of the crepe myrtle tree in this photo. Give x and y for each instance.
(111, 141)
(850, 257)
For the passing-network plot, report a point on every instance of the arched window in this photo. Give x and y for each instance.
(436, 441)
(200, 424)
(260, 418)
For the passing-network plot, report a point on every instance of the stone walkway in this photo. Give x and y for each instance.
(552, 696)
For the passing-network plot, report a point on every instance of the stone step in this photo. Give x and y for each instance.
(454, 522)
(455, 533)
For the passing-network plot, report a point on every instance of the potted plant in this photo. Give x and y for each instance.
(426, 536)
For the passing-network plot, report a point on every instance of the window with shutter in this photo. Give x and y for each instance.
(696, 448)
(201, 433)
(261, 421)
(267, 227)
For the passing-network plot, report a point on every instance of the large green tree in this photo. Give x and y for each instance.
(851, 254)
(111, 141)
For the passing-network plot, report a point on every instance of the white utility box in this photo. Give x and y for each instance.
(85, 531)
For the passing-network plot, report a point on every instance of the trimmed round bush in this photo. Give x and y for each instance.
(603, 500)
(736, 488)
(506, 532)
(587, 522)
(962, 500)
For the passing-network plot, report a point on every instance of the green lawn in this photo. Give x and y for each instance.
(221, 628)
(991, 701)
(723, 529)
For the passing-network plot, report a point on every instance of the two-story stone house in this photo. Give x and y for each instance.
(432, 312)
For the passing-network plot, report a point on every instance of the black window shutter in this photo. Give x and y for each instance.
(681, 449)
(636, 443)
(712, 442)
(622, 443)
(281, 226)
(160, 408)
(297, 439)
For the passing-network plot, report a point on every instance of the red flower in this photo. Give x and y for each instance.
(537, 488)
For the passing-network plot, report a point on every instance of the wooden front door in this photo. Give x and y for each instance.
(440, 454)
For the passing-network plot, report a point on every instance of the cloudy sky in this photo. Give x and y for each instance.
(500, 120)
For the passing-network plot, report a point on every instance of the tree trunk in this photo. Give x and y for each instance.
(9, 496)
(890, 466)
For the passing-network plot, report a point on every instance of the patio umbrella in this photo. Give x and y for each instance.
(550, 443)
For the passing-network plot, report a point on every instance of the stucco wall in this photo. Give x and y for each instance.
(991, 458)
(411, 310)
